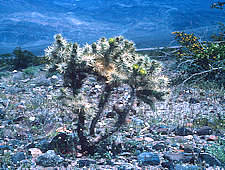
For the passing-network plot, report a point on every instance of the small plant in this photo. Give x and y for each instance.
(30, 71)
(201, 58)
(113, 63)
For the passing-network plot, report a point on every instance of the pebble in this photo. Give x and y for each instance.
(168, 165)
(162, 131)
(159, 146)
(148, 158)
(186, 167)
(2, 114)
(43, 145)
(35, 152)
(193, 101)
(85, 162)
(126, 166)
(209, 159)
(148, 139)
(174, 156)
(18, 76)
(17, 157)
(49, 159)
(174, 144)
(189, 137)
(206, 130)
(182, 131)
(212, 138)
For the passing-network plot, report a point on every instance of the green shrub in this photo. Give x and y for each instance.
(220, 36)
(113, 63)
(20, 59)
(196, 57)
(218, 150)
(218, 5)
(30, 71)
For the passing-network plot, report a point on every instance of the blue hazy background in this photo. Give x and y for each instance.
(31, 24)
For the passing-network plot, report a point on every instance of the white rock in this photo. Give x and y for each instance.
(32, 118)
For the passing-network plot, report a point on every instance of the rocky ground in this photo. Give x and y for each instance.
(37, 127)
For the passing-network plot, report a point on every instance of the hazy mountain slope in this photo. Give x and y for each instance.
(32, 24)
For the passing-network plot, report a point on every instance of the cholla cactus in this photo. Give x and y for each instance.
(67, 59)
(114, 62)
(113, 58)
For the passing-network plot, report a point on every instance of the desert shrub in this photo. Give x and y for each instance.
(20, 59)
(220, 36)
(4, 60)
(30, 71)
(218, 5)
(112, 62)
(206, 59)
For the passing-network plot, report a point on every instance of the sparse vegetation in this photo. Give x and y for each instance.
(82, 103)
(196, 58)
(19, 59)
(218, 150)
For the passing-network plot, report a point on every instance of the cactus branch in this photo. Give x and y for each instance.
(103, 100)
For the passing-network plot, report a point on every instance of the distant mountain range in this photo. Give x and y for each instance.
(31, 24)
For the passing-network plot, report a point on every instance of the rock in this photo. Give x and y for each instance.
(54, 79)
(63, 143)
(179, 156)
(126, 166)
(148, 139)
(179, 139)
(193, 101)
(209, 159)
(138, 122)
(19, 119)
(21, 107)
(159, 146)
(182, 131)
(187, 147)
(205, 130)
(42, 81)
(103, 161)
(85, 162)
(186, 167)
(4, 103)
(162, 131)
(197, 150)
(18, 76)
(212, 138)
(16, 143)
(5, 147)
(32, 118)
(168, 165)
(35, 152)
(15, 90)
(17, 157)
(189, 137)
(174, 156)
(111, 114)
(43, 145)
(148, 158)
(49, 159)
(2, 114)
(174, 145)
(125, 154)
